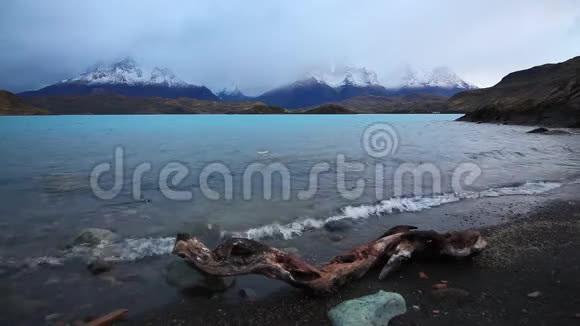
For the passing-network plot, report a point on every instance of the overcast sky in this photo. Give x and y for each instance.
(259, 44)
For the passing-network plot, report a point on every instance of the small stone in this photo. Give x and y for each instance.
(416, 308)
(423, 276)
(538, 131)
(436, 312)
(52, 317)
(439, 286)
(534, 294)
(443, 281)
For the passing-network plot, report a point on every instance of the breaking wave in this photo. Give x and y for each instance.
(389, 206)
(135, 249)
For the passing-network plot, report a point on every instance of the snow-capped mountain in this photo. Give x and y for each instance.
(441, 77)
(125, 77)
(337, 83)
(336, 76)
(127, 72)
(301, 93)
(231, 94)
(326, 84)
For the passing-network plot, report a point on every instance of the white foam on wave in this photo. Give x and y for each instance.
(125, 250)
(135, 249)
(389, 206)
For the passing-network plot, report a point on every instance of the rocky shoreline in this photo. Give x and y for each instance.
(528, 275)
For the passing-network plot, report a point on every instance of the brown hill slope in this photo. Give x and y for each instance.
(11, 104)
(119, 104)
(412, 103)
(546, 95)
(329, 109)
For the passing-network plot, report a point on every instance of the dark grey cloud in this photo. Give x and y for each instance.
(259, 44)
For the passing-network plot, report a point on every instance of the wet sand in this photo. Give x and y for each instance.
(538, 252)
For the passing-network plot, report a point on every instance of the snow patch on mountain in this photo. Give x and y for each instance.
(441, 77)
(336, 76)
(128, 72)
(230, 90)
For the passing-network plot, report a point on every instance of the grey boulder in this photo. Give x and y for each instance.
(94, 236)
(375, 309)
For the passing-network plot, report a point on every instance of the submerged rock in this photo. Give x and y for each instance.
(93, 237)
(179, 274)
(335, 237)
(375, 309)
(538, 131)
(338, 225)
(546, 131)
(99, 266)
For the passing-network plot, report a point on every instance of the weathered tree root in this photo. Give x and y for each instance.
(239, 256)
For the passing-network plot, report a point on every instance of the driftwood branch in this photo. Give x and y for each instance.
(239, 256)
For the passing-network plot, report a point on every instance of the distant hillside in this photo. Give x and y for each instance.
(547, 95)
(412, 103)
(329, 109)
(120, 104)
(302, 93)
(80, 89)
(11, 104)
(261, 109)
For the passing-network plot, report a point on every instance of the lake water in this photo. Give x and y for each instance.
(47, 196)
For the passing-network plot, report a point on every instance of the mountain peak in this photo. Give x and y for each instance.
(231, 93)
(231, 90)
(126, 64)
(336, 76)
(441, 77)
(127, 72)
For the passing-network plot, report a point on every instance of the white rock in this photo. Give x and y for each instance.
(374, 310)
